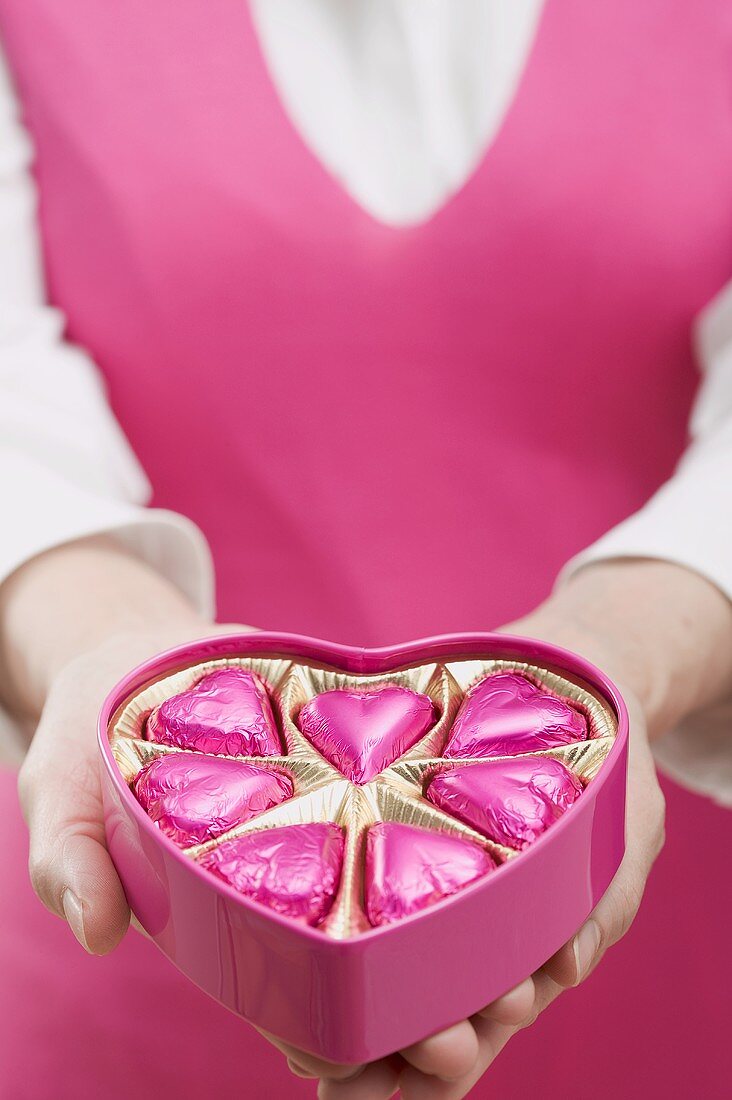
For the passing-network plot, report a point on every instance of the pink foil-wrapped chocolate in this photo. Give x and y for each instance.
(227, 713)
(294, 869)
(362, 731)
(194, 798)
(510, 801)
(409, 868)
(506, 714)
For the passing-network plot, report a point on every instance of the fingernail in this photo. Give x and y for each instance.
(300, 1071)
(74, 913)
(325, 1082)
(586, 946)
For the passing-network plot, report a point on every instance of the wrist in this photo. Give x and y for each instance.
(68, 601)
(661, 630)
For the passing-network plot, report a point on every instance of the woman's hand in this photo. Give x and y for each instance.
(446, 1066)
(60, 790)
(665, 636)
(72, 623)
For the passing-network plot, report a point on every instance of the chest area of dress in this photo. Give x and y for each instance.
(172, 177)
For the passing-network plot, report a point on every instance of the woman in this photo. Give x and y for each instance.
(394, 303)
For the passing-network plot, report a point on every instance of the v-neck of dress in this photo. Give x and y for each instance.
(321, 171)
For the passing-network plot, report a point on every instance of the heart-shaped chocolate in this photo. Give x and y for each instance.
(227, 713)
(510, 801)
(506, 714)
(294, 869)
(409, 868)
(362, 731)
(194, 798)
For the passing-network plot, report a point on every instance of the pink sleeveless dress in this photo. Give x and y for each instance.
(384, 433)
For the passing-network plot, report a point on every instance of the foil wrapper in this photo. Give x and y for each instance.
(408, 868)
(194, 798)
(506, 714)
(226, 713)
(294, 870)
(362, 731)
(511, 801)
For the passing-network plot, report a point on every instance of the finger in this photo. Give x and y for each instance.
(378, 1081)
(317, 1067)
(449, 1054)
(492, 1037)
(70, 868)
(608, 923)
(513, 1007)
(414, 1085)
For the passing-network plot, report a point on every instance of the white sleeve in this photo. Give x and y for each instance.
(66, 469)
(689, 521)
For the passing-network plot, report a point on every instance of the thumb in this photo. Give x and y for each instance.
(608, 923)
(60, 793)
(616, 910)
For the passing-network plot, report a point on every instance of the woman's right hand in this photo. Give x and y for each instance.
(72, 622)
(60, 790)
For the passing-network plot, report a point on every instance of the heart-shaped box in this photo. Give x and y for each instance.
(345, 990)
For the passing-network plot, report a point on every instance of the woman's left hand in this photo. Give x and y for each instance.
(447, 1065)
(633, 621)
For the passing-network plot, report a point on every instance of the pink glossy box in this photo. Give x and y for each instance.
(358, 999)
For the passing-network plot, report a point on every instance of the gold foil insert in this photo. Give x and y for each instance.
(322, 793)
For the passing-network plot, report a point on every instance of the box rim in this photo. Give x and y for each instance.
(442, 647)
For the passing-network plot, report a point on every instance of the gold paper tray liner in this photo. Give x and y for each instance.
(584, 758)
(321, 793)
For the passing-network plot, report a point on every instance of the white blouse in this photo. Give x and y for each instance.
(399, 99)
